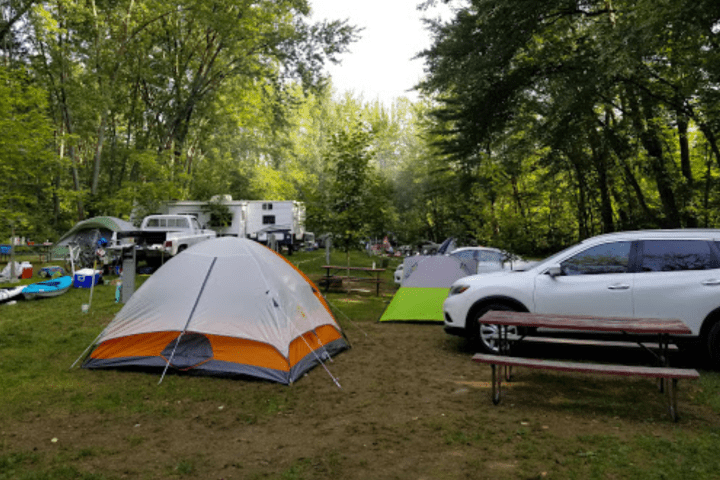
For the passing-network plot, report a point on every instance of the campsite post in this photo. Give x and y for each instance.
(128, 271)
(13, 273)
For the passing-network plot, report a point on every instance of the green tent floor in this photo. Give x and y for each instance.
(415, 304)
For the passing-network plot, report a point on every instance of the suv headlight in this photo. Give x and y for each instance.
(457, 289)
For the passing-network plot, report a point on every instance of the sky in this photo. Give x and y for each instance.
(379, 66)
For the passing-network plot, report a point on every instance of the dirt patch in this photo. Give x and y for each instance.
(412, 405)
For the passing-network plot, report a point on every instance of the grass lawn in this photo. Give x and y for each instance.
(412, 405)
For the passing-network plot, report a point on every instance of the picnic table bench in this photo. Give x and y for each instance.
(333, 277)
(661, 370)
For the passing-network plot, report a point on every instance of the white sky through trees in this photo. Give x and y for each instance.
(380, 64)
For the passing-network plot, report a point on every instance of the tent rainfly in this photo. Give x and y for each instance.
(425, 286)
(226, 307)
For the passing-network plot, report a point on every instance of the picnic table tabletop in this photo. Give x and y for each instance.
(670, 326)
(364, 269)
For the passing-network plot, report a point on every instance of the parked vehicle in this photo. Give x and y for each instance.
(234, 225)
(168, 235)
(488, 260)
(260, 220)
(492, 259)
(643, 274)
(397, 276)
(428, 248)
(285, 220)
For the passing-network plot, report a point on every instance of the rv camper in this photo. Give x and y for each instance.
(237, 208)
(282, 220)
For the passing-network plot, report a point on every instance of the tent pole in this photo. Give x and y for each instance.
(187, 324)
(317, 357)
(86, 350)
(92, 282)
(267, 285)
(72, 262)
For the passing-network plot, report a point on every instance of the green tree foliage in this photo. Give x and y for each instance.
(606, 107)
(542, 122)
(348, 198)
(27, 163)
(136, 86)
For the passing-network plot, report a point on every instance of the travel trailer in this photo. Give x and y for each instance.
(278, 222)
(283, 220)
(198, 209)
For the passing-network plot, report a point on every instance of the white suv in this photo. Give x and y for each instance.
(644, 274)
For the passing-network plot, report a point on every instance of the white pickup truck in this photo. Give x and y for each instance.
(171, 234)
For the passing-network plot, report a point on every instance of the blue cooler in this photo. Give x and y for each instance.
(84, 278)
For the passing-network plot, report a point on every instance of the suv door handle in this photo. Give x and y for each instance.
(711, 283)
(619, 286)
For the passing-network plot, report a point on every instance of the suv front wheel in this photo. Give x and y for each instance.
(713, 345)
(485, 335)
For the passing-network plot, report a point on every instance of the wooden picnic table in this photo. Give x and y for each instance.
(634, 329)
(42, 250)
(332, 273)
(631, 327)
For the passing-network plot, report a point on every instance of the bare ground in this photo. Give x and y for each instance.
(412, 405)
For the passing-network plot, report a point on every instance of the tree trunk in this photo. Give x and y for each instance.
(689, 218)
(583, 231)
(599, 157)
(67, 119)
(643, 118)
(98, 154)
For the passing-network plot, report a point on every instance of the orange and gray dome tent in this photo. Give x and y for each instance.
(227, 307)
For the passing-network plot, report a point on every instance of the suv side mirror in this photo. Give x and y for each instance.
(554, 270)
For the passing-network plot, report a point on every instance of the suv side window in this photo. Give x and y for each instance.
(485, 256)
(607, 258)
(676, 255)
(464, 254)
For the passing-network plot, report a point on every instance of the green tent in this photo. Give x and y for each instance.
(425, 285)
(82, 231)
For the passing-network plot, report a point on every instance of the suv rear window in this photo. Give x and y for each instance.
(677, 255)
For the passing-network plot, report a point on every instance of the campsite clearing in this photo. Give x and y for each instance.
(412, 405)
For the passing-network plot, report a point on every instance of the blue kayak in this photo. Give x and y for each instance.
(49, 288)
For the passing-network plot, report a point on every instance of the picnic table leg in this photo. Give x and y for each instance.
(496, 382)
(504, 349)
(664, 359)
(672, 397)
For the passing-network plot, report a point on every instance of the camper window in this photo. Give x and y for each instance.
(267, 206)
(268, 219)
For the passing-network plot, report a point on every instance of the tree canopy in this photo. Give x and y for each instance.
(539, 124)
(608, 106)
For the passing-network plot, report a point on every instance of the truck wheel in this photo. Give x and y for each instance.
(182, 248)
